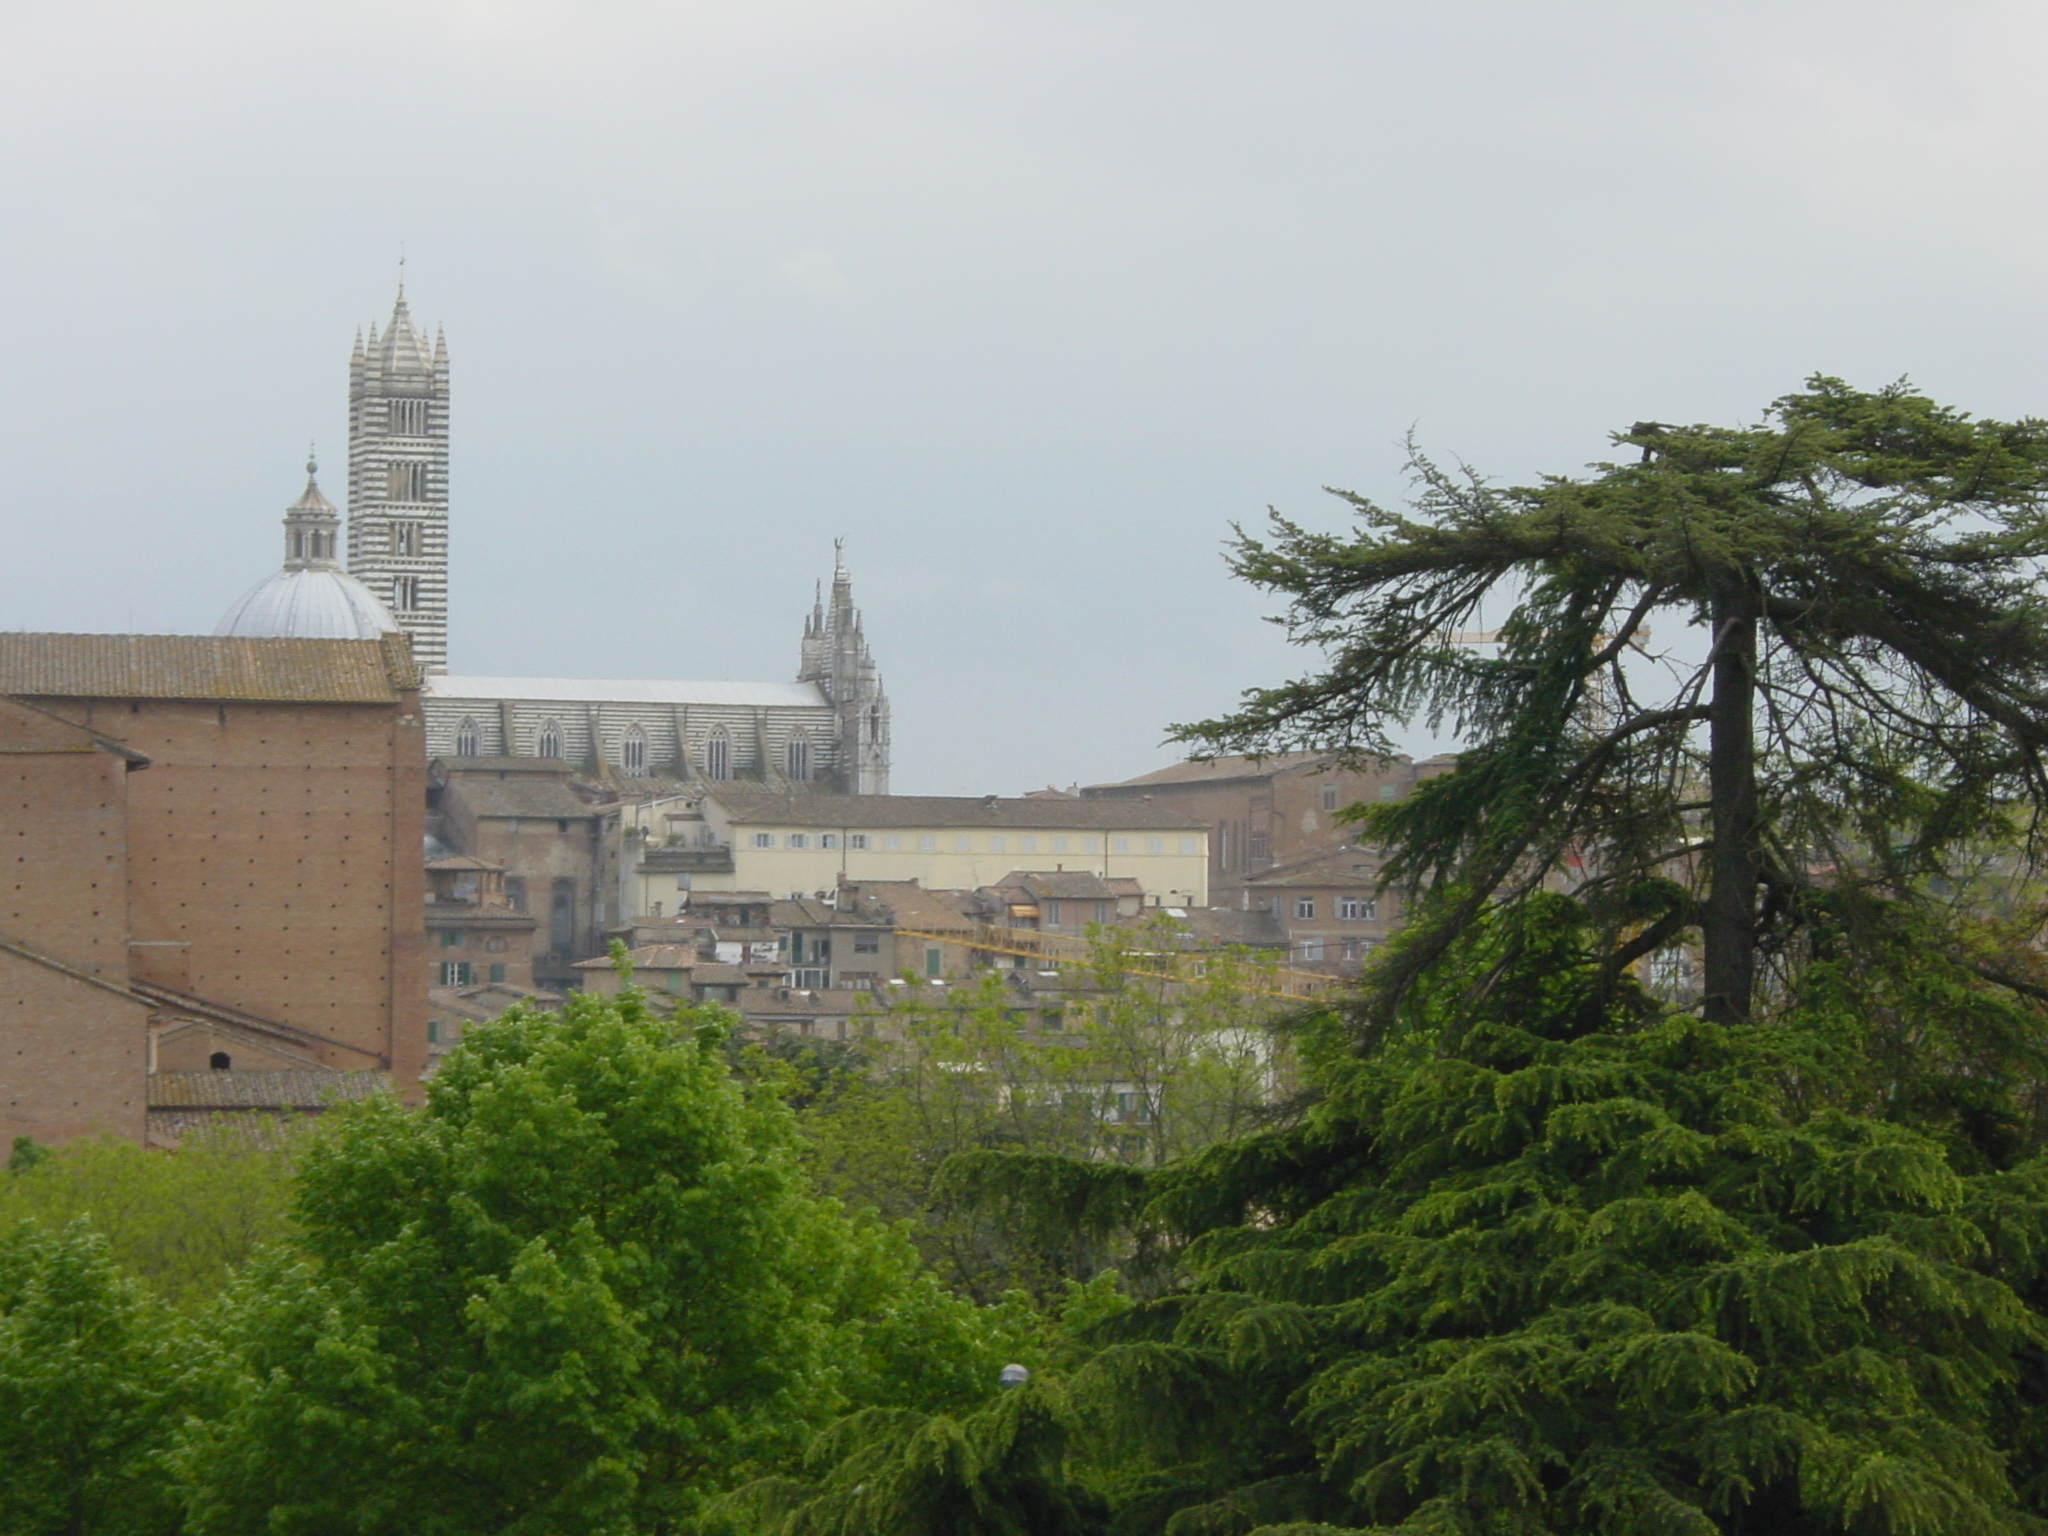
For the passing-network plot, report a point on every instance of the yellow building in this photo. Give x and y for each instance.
(797, 843)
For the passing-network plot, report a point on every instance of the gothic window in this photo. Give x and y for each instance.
(633, 751)
(562, 917)
(799, 756)
(405, 480)
(405, 594)
(405, 538)
(468, 739)
(407, 418)
(718, 755)
(550, 740)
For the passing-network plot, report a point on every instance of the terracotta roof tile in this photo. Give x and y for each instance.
(213, 667)
(259, 1090)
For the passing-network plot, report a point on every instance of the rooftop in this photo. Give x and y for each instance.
(995, 813)
(1338, 866)
(213, 667)
(533, 795)
(585, 690)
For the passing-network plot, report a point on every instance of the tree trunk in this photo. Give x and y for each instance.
(1730, 923)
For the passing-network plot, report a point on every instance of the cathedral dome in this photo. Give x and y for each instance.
(310, 604)
(312, 598)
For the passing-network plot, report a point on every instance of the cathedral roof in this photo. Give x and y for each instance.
(579, 690)
(309, 604)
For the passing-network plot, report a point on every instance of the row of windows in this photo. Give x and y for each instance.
(633, 745)
(406, 418)
(405, 480)
(1356, 908)
(1312, 950)
(312, 544)
(961, 842)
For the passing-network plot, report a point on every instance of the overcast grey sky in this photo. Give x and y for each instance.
(1026, 300)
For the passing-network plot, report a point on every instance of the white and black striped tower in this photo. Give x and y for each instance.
(398, 478)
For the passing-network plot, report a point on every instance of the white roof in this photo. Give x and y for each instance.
(582, 690)
(312, 603)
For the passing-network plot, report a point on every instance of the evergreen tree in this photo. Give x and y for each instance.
(1565, 1265)
(1872, 691)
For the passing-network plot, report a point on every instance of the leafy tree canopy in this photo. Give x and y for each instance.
(580, 1289)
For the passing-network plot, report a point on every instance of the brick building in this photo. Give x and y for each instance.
(73, 1043)
(257, 888)
(1269, 812)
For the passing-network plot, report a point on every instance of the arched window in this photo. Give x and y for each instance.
(798, 755)
(219, 1061)
(718, 755)
(633, 751)
(468, 739)
(550, 740)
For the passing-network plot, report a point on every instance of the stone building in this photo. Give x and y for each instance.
(262, 876)
(1330, 907)
(800, 843)
(829, 729)
(1264, 813)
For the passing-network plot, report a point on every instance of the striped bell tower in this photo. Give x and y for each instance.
(398, 478)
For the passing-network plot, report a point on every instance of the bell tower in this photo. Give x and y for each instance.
(398, 478)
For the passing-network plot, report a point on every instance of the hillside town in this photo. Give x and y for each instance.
(268, 869)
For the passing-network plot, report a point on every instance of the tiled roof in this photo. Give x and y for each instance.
(566, 690)
(1338, 866)
(997, 814)
(213, 667)
(259, 1090)
(1058, 885)
(1218, 770)
(648, 957)
(526, 795)
(556, 765)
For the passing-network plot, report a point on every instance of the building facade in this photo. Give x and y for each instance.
(1265, 813)
(741, 838)
(272, 889)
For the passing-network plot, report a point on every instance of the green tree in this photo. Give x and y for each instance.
(1563, 1266)
(1148, 1051)
(93, 1375)
(183, 1221)
(1873, 688)
(579, 1290)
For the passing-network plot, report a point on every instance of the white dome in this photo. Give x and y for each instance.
(314, 603)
